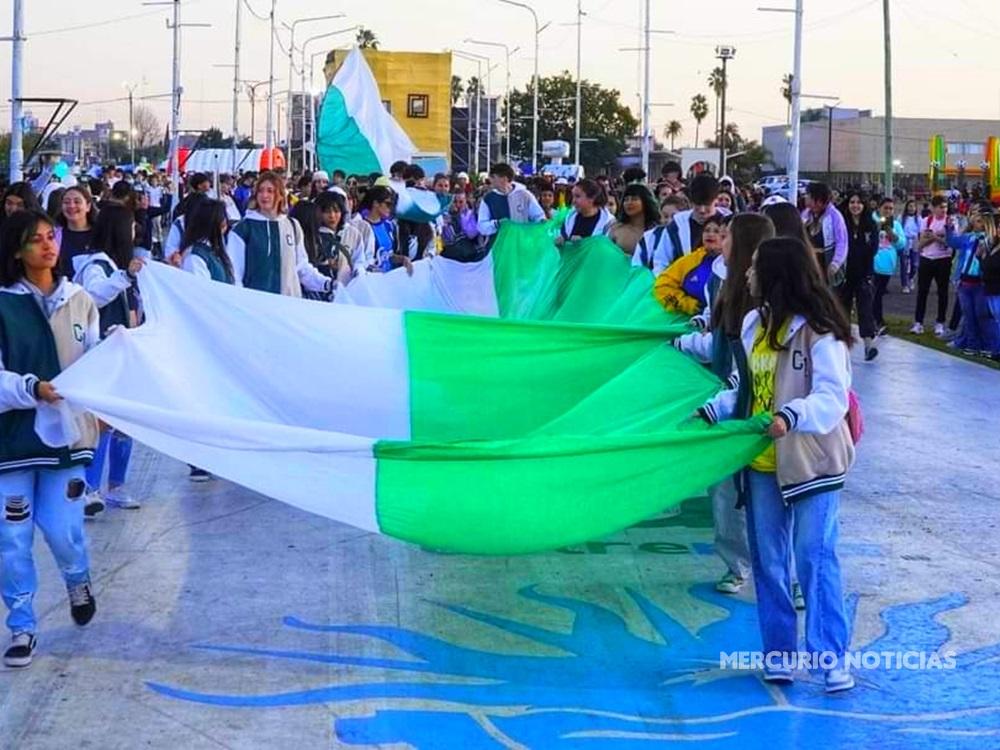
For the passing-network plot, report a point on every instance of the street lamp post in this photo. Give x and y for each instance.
(507, 52)
(291, 52)
(534, 85)
(796, 86)
(16, 166)
(478, 59)
(130, 87)
(176, 92)
(252, 91)
(724, 53)
(302, 71)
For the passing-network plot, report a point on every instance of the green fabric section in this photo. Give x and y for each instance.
(565, 420)
(340, 143)
(591, 281)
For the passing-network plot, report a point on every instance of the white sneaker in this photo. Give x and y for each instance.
(119, 498)
(917, 328)
(838, 679)
(94, 504)
(939, 329)
(730, 583)
(798, 600)
(22, 648)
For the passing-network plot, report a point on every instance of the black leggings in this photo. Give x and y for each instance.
(881, 285)
(937, 270)
(859, 293)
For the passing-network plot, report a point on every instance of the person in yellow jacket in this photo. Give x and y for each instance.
(683, 286)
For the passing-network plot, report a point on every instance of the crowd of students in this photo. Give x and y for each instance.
(768, 286)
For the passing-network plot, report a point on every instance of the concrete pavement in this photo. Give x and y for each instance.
(227, 620)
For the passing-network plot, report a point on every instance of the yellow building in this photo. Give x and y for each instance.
(416, 89)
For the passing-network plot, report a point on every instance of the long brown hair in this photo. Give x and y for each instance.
(788, 284)
(746, 232)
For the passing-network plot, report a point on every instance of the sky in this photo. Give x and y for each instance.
(944, 57)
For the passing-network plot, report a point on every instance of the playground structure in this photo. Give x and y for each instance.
(942, 174)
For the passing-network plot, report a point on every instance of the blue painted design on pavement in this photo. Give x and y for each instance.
(614, 690)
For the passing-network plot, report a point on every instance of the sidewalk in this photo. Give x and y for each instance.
(227, 620)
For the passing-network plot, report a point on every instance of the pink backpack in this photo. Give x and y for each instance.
(855, 418)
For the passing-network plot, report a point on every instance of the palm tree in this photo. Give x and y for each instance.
(672, 130)
(786, 93)
(366, 39)
(457, 89)
(699, 111)
(717, 82)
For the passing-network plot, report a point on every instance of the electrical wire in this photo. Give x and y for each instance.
(99, 24)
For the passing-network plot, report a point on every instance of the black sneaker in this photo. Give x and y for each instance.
(199, 475)
(82, 604)
(870, 353)
(22, 648)
(93, 505)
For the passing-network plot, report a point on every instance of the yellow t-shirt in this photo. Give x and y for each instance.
(763, 364)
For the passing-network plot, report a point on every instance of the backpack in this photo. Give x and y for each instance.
(855, 417)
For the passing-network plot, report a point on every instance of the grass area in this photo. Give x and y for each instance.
(899, 327)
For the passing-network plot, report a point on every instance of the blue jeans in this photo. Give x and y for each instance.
(119, 446)
(48, 499)
(993, 324)
(812, 521)
(976, 331)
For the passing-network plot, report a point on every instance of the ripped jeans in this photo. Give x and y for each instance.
(52, 499)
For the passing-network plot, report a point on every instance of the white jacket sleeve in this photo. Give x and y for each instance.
(174, 239)
(488, 226)
(697, 345)
(536, 214)
(102, 288)
(16, 391)
(196, 266)
(662, 253)
(723, 405)
(309, 276)
(826, 405)
(236, 249)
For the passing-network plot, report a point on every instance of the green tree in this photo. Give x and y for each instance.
(699, 111)
(457, 89)
(366, 39)
(213, 138)
(717, 82)
(747, 157)
(672, 130)
(786, 93)
(603, 117)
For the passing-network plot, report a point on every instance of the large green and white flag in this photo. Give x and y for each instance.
(355, 133)
(557, 414)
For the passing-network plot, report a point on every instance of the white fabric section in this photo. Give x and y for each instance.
(209, 159)
(290, 394)
(437, 285)
(364, 104)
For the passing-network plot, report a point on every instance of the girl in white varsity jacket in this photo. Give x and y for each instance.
(267, 249)
(793, 363)
(46, 324)
(108, 275)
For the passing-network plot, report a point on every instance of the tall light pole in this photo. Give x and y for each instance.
(579, 82)
(534, 84)
(302, 69)
(796, 86)
(724, 53)
(291, 52)
(16, 166)
(646, 145)
(236, 88)
(130, 87)
(507, 52)
(269, 136)
(888, 97)
(176, 92)
(478, 59)
(252, 92)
